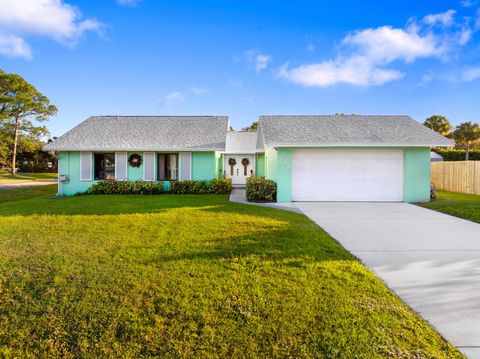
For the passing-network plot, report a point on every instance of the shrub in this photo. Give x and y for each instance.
(223, 186)
(457, 155)
(260, 189)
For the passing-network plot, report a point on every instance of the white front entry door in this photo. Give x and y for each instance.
(238, 168)
(347, 175)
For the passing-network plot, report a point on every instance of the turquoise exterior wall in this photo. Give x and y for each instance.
(416, 179)
(260, 165)
(135, 173)
(204, 165)
(278, 167)
(69, 163)
(416, 186)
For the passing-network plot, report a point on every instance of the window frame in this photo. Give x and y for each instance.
(165, 167)
(113, 158)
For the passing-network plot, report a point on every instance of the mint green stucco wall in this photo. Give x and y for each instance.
(204, 165)
(416, 180)
(416, 187)
(69, 163)
(135, 173)
(260, 165)
(278, 167)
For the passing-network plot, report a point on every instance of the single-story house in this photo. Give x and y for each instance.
(435, 157)
(312, 158)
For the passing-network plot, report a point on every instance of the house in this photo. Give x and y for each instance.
(165, 148)
(312, 158)
(435, 157)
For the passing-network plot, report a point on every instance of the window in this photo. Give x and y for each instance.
(167, 166)
(104, 166)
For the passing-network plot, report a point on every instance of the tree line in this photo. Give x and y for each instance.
(466, 135)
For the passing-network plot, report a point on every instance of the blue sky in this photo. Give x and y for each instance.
(246, 58)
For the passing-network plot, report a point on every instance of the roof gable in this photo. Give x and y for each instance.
(347, 130)
(147, 133)
(241, 142)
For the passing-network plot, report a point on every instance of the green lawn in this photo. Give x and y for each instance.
(457, 204)
(7, 178)
(189, 276)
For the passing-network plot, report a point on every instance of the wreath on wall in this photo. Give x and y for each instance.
(135, 160)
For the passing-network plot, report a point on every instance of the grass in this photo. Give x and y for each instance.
(189, 276)
(7, 178)
(457, 204)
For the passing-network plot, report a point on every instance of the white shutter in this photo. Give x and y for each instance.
(85, 166)
(185, 166)
(149, 166)
(121, 166)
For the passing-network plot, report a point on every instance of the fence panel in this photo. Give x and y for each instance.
(456, 176)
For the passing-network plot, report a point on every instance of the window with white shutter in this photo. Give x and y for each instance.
(85, 166)
(149, 166)
(185, 166)
(121, 166)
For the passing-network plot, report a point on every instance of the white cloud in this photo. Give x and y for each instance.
(54, 19)
(444, 19)
(128, 2)
(470, 74)
(257, 60)
(468, 3)
(14, 46)
(365, 55)
(198, 90)
(172, 98)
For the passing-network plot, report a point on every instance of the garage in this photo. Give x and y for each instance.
(347, 175)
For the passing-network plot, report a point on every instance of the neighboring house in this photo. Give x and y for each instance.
(312, 158)
(348, 158)
(170, 147)
(435, 157)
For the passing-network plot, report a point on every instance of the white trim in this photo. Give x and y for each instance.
(91, 166)
(349, 145)
(136, 150)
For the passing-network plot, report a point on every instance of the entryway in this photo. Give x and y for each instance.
(238, 168)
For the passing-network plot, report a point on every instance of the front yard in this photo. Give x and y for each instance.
(7, 178)
(457, 204)
(189, 276)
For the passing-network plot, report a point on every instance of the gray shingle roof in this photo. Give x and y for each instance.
(145, 133)
(347, 130)
(241, 142)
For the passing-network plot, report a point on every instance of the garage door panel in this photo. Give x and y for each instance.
(347, 175)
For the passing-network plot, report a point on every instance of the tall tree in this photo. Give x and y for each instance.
(20, 103)
(465, 134)
(439, 124)
(252, 128)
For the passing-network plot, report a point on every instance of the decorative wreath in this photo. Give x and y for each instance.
(245, 162)
(232, 161)
(135, 160)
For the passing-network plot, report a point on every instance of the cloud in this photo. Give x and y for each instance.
(470, 74)
(172, 98)
(14, 46)
(128, 2)
(257, 60)
(198, 90)
(366, 55)
(53, 19)
(444, 19)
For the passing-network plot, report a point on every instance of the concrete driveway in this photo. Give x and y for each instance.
(431, 260)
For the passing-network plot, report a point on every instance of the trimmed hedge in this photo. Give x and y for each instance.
(260, 189)
(457, 155)
(223, 186)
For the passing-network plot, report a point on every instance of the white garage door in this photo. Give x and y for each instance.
(347, 175)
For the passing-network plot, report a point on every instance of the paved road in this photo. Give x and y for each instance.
(431, 260)
(27, 184)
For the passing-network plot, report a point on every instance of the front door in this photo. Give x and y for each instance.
(238, 168)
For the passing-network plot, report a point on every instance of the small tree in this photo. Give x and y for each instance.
(252, 128)
(20, 103)
(465, 134)
(439, 124)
